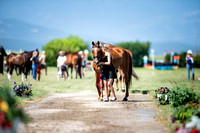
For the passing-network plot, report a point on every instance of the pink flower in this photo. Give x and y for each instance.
(183, 79)
(199, 78)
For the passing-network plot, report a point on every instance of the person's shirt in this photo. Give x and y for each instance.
(189, 60)
(43, 59)
(35, 59)
(79, 60)
(61, 60)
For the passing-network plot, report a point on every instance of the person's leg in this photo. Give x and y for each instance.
(106, 90)
(58, 75)
(64, 77)
(188, 71)
(79, 71)
(39, 76)
(192, 73)
(34, 73)
(110, 85)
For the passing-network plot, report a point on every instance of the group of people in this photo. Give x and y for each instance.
(38, 62)
(62, 66)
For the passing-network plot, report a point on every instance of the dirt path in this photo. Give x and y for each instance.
(75, 113)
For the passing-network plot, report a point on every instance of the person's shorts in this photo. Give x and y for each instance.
(63, 68)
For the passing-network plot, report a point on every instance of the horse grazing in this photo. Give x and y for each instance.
(121, 60)
(72, 62)
(19, 60)
(2, 54)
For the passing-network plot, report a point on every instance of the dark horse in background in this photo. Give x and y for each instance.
(122, 61)
(19, 60)
(73, 60)
(2, 54)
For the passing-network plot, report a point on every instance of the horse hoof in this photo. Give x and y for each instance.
(123, 89)
(125, 99)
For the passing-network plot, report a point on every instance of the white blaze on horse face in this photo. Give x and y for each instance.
(9, 76)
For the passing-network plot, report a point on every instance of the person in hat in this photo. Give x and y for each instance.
(61, 64)
(189, 64)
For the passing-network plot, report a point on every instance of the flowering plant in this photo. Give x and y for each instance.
(9, 113)
(163, 95)
(23, 89)
(182, 95)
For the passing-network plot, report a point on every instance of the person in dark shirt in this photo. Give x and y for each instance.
(78, 66)
(108, 73)
(189, 64)
(35, 61)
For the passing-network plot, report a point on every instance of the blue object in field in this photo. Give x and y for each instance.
(164, 67)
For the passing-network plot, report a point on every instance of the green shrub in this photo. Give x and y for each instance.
(182, 95)
(185, 112)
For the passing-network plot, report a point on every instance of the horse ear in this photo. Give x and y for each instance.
(92, 43)
(98, 43)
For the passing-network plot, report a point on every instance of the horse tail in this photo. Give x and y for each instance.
(130, 69)
(135, 75)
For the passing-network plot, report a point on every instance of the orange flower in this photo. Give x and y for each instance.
(4, 106)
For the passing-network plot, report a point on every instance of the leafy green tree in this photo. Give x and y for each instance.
(69, 44)
(139, 50)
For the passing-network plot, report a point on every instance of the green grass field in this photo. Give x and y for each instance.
(149, 81)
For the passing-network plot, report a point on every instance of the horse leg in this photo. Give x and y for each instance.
(72, 72)
(122, 75)
(100, 92)
(76, 69)
(22, 69)
(67, 72)
(10, 73)
(127, 93)
(116, 80)
(45, 70)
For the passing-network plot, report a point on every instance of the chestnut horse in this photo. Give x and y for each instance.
(121, 60)
(120, 78)
(19, 60)
(72, 62)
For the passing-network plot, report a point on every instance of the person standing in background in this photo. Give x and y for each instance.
(43, 62)
(83, 63)
(61, 64)
(189, 64)
(79, 64)
(34, 60)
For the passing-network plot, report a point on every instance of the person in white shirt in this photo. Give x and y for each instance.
(61, 64)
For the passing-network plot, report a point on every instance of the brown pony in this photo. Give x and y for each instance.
(19, 60)
(72, 62)
(121, 60)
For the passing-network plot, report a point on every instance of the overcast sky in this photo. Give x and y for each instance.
(111, 20)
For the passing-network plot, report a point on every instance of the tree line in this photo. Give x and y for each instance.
(75, 44)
